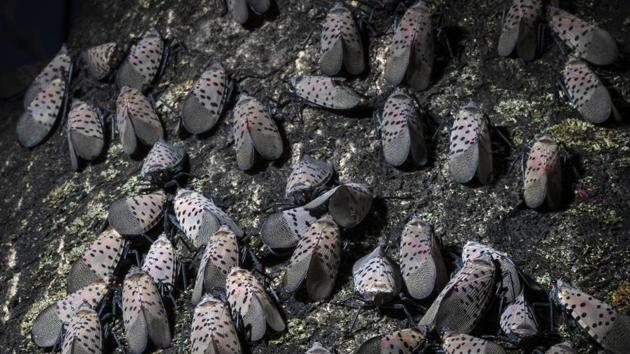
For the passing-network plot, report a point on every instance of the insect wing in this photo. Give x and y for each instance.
(609, 328)
(543, 174)
(519, 30)
(464, 344)
(143, 62)
(465, 298)
(315, 260)
(326, 92)
(586, 92)
(97, 262)
(518, 319)
(308, 176)
(281, 231)
(199, 217)
(470, 151)
(376, 278)
(249, 301)
(205, 102)
(220, 256)
(160, 261)
(58, 67)
(136, 215)
(589, 42)
(37, 121)
(421, 263)
(144, 316)
(212, 329)
(85, 132)
(83, 334)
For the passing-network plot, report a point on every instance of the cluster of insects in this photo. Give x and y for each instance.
(118, 278)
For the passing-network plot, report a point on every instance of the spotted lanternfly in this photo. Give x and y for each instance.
(135, 119)
(470, 151)
(348, 203)
(543, 175)
(98, 262)
(317, 348)
(421, 263)
(376, 278)
(254, 133)
(139, 69)
(565, 347)
(251, 305)
(326, 92)
(341, 43)
(47, 328)
(520, 29)
(144, 316)
(100, 60)
(84, 131)
(84, 333)
(411, 52)
(463, 301)
(511, 285)
(588, 42)
(402, 132)
(586, 92)
(136, 215)
(59, 67)
(406, 341)
(163, 163)
(315, 261)
(605, 325)
(308, 177)
(518, 321)
(199, 218)
(206, 100)
(160, 262)
(212, 329)
(466, 344)
(240, 8)
(281, 231)
(219, 257)
(38, 120)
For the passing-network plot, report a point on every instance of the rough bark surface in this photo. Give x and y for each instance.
(49, 214)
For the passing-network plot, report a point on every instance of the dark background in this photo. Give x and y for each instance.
(49, 214)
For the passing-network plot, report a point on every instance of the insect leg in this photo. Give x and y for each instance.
(354, 320)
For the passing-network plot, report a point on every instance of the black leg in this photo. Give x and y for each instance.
(354, 320)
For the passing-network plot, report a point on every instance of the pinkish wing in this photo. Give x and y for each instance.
(138, 214)
(212, 329)
(58, 67)
(326, 92)
(465, 298)
(144, 316)
(160, 261)
(83, 334)
(315, 260)
(85, 132)
(421, 264)
(220, 256)
(38, 119)
(308, 174)
(100, 59)
(103, 254)
(143, 62)
(90, 295)
(281, 231)
(206, 100)
(586, 92)
(542, 164)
